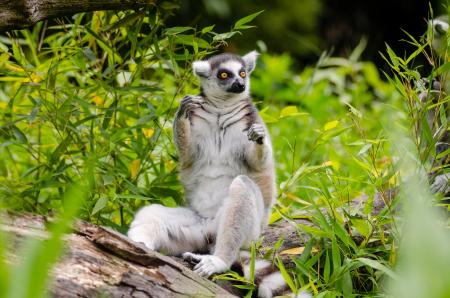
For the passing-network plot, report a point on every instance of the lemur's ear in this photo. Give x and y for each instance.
(201, 68)
(250, 60)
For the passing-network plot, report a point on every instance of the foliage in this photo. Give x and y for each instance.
(102, 90)
(99, 92)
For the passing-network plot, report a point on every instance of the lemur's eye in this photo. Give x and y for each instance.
(242, 74)
(223, 75)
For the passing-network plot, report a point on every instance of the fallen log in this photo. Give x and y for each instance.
(99, 262)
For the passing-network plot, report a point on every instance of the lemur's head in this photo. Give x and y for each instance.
(439, 32)
(225, 77)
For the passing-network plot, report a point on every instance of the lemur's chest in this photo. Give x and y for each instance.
(220, 133)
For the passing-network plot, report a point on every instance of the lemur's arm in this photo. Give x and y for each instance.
(259, 152)
(182, 129)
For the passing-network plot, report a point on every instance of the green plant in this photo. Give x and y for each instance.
(99, 91)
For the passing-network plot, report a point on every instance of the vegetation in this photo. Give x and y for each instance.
(89, 101)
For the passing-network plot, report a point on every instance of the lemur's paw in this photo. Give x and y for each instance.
(256, 133)
(441, 184)
(206, 264)
(189, 103)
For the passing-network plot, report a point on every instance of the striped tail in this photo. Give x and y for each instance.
(268, 278)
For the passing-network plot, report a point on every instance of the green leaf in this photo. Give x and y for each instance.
(177, 30)
(4, 48)
(240, 23)
(345, 283)
(327, 268)
(426, 131)
(99, 205)
(364, 149)
(315, 231)
(343, 234)
(336, 255)
(252, 263)
(290, 111)
(286, 276)
(128, 19)
(330, 125)
(377, 265)
(362, 226)
(169, 202)
(19, 134)
(224, 36)
(190, 40)
(208, 29)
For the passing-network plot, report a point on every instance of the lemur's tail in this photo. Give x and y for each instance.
(268, 278)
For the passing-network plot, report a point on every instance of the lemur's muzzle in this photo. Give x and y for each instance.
(237, 87)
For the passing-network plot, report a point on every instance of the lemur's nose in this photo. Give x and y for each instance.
(237, 87)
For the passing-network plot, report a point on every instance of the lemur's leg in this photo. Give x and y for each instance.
(172, 230)
(239, 225)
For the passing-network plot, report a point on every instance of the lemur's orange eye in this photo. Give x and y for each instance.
(223, 75)
(242, 74)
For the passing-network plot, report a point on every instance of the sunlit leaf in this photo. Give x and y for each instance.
(330, 125)
(135, 165)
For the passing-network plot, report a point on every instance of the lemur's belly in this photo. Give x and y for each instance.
(208, 194)
(206, 185)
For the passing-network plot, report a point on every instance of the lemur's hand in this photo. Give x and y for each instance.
(189, 103)
(206, 264)
(257, 133)
(441, 184)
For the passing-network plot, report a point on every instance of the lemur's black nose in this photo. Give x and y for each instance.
(237, 87)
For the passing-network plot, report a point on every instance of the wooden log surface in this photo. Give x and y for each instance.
(17, 14)
(101, 262)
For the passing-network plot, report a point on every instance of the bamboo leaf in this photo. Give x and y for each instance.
(245, 20)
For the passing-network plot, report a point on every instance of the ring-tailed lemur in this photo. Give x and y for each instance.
(440, 89)
(226, 167)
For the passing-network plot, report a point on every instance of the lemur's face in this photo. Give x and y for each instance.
(439, 35)
(231, 76)
(225, 77)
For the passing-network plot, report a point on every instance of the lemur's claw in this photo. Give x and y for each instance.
(206, 264)
(191, 257)
(257, 133)
(190, 103)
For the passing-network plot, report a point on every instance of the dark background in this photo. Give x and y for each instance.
(306, 28)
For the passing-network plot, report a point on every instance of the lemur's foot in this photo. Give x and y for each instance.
(206, 264)
(256, 133)
(189, 103)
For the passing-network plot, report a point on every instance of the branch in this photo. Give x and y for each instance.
(17, 14)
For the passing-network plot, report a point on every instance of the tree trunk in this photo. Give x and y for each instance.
(16, 14)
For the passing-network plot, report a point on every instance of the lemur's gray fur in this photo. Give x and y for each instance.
(226, 167)
(439, 37)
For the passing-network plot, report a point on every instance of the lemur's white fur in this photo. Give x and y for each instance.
(226, 168)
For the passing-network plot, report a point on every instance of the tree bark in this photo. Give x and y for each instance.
(16, 14)
(99, 262)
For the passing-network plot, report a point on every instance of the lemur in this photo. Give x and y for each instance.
(227, 170)
(440, 89)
